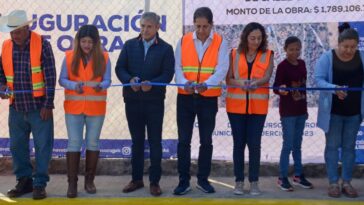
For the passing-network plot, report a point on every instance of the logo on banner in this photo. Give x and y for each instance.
(126, 150)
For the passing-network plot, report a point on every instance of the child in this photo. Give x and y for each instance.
(291, 72)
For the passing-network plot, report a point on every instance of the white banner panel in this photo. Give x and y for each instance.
(118, 21)
(279, 11)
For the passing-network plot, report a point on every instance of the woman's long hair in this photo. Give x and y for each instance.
(243, 45)
(99, 64)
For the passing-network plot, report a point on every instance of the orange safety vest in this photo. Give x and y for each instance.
(236, 99)
(198, 71)
(90, 102)
(35, 64)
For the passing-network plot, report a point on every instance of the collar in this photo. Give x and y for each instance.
(150, 42)
(194, 36)
(154, 40)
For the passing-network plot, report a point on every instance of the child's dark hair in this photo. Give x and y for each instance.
(291, 39)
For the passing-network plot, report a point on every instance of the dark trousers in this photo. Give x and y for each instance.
(247, 130)
(140, 115)
(188, 106)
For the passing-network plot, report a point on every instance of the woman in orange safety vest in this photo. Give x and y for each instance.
(251, 66)
(85, 75)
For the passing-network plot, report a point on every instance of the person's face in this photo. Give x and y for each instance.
(86, 44)
(148, 29)
(293, 51)
(255, 39)
(347, 48)
(20, 35)
(202, 28)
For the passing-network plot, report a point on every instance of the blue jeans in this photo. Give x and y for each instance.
(145, 115)
(188, 107)
(292, 128)
(247, 130)
(75, 125)
(21, 124)
(342, 134)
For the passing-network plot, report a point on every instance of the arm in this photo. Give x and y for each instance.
(2, 81)
(49, 72)
(2, 73)
(322, 74)
(122, 66)
(168, 67)
(222, 66)
(63, 78)
(179, 78)
(230, 80)
(279, 81)
(106, 79)
(167, 70)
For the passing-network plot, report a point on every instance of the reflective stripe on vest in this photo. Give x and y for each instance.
(37, 77)
(251, 96)
(236, 98)
(90, 102)
(85, 98)
(197, 71)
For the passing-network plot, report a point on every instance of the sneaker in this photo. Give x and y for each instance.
(254, 189)
(182, 188)
(239, 188)
(348, 190)
(284, 184)
(205, 186)
(302, 182)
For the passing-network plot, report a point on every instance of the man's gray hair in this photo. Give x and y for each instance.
(151, 16)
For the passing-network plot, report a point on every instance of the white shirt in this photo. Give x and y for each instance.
(222, 63)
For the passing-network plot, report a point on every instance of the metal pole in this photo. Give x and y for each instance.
(147, 6)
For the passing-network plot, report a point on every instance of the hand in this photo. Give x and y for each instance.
(252, 85)
(189, 87)
(341, 94)
(296, 95)
(3, 89)
(135, 88)
(46, 113)
(283, 92)
(79, 88)
(244, 84)
(201, 87)
(97, 88)
(146, 86)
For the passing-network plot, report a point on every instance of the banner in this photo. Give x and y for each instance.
(315, 23)
(117, 22)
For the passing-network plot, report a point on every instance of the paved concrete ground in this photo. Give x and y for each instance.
(111, 186)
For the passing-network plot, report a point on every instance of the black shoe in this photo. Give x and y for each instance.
(182, 188)
(205, 186)
(302, 182)
(24, 186)
(284, 184)
(39, 192)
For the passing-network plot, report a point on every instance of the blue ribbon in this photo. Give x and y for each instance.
(8, 92)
